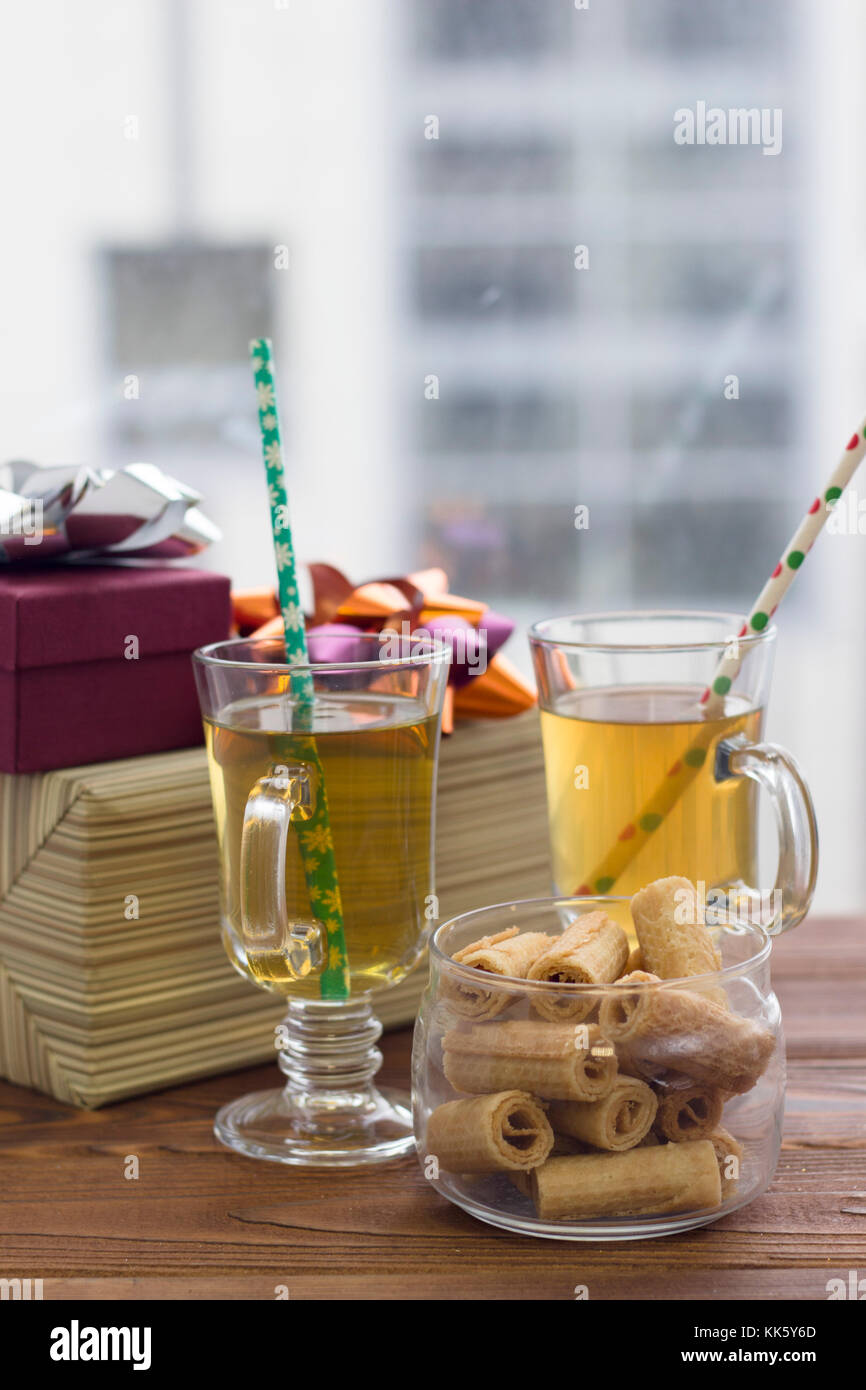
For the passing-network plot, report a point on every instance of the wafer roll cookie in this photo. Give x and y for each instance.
(673, 941)
(556, 1061)
(634, 962)
(505, 953)
(507, 1131)
(674, 1030)
(644, 1181)
(690, 1113)
(562, 1144)
(621, 1120)
(592, 951)
(729, 1155)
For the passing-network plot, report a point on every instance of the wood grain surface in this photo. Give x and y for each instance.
(202, 1223)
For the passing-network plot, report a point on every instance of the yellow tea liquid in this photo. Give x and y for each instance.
(607, 751)
(377, 755)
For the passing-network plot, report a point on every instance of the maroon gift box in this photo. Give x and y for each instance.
(70, 689)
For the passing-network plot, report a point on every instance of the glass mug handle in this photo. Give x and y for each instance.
(264, 839)
(774, 769)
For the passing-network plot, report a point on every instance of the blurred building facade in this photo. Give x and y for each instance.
(582, 288)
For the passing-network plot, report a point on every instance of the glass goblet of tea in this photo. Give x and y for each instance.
(350, 743)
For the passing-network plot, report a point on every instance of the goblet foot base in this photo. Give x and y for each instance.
(270, 1124)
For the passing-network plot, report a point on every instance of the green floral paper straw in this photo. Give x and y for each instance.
(314, 835)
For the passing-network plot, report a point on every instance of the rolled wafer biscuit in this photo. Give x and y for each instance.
(673, 941)
(692, 1112)
(619, 1121)
(562, 1144)
(505, 953)
(634, 962)
(674, 1030)
(592, 951)
(729, 1155)
(556, 1061)
(646, 1181)
(508, 1131)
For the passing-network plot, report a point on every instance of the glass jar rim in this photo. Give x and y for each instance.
(520, 984)
(435, 653)
(541, 636)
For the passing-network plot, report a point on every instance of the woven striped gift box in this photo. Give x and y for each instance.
(95, 1005)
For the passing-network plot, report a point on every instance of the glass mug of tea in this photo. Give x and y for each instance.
(642, 784)
(355, 731)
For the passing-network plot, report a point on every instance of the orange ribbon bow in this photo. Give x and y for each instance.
(496, 690)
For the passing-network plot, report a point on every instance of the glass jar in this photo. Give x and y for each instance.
(597, 1112)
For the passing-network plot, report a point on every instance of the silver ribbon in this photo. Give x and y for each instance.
(55, 513)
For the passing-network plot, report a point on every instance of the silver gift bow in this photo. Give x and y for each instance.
(55, 513)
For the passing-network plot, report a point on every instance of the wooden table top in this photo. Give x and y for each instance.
(201, 1222)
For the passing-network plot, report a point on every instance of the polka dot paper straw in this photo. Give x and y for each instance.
(314, 835)
(785, 572)
(636, 833)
